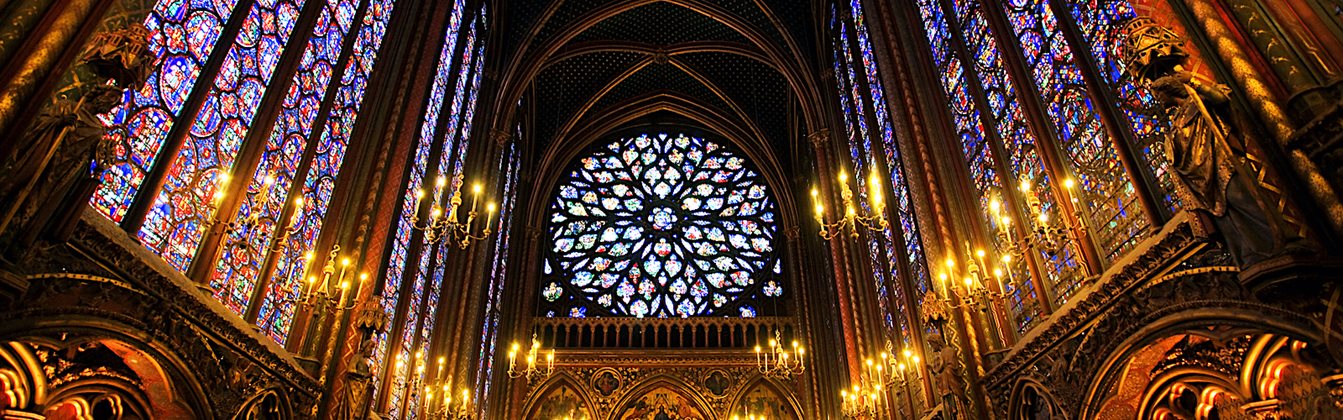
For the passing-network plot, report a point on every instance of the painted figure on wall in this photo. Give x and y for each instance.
(562, 402)
(763, 402)
(1207, 148)
(661, 404)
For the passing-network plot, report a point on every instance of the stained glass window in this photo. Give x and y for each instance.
(246, 247)
(973, 49)
(173, 228)
(498, 272)
(428, 140)
(968, 121)
(1088, 148)
(282, 161)
(300, 145)
(661, 225)
(276, 312)
(861, 156)
(1099, 22)
(182, 36)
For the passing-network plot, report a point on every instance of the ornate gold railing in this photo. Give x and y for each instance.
(661, 333)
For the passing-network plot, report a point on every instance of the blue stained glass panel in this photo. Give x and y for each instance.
(419, 166)
(246, 248)
(178, 216)
(659, 225)
(182, 36)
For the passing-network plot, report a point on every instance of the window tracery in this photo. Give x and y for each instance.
(662, 226)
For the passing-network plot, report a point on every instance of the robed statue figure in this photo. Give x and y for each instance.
(1206, 148)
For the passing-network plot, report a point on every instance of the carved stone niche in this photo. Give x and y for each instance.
(100, 288)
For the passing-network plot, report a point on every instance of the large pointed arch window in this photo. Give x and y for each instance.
(415, 272)
(895, 254)
(1038, 102)
(661, 225)
(239, 135)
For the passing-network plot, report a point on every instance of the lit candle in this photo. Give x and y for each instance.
(363, 278)
(1007, 266)
(475, 196)
(419, 196)
(874, 185)
(344, 266)
(979, 254)
(489, 216)
(298, 212)
(266, 184)
(344, 292)
(942, 282)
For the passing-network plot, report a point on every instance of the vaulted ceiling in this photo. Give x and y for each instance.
(742, 69)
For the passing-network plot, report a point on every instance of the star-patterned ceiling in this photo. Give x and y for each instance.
(742, 64)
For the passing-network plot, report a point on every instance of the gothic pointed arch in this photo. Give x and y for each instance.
(763, 398)
(560, 396)
(662, 394)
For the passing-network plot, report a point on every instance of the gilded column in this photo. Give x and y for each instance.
(820, 143)
(27, 73)
(16, 22)
(1307, 150)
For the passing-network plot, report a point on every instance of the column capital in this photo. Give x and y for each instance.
(819, 138)
(500, 137)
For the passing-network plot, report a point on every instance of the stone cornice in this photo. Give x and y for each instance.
(100, 249)
(1160, 253)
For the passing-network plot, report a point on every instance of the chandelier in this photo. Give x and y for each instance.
(534, 368)
(443, 407)
(780, 361)
(860, 402)
(1042, 232)
(450, 226)
(889, 371)
(872, 218)
(436, 394)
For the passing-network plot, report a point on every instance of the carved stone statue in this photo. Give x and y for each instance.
(945, 372)
(1206, 148)
(65, 151)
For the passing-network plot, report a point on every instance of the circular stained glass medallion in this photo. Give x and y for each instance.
(660, 226)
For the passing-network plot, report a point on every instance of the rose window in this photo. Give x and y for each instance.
(660, 225)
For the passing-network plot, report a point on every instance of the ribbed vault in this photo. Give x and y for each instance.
(585, 68)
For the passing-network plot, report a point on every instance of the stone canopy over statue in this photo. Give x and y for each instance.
(1207, 148)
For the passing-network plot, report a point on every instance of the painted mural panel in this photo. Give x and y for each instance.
(562, 402)
(661, 404)
(763, 402)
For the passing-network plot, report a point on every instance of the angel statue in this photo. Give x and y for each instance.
(1206, 147)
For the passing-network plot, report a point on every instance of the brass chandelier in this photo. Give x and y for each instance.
(873, 216)
(449, 226)
(780, 361)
